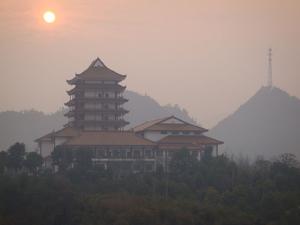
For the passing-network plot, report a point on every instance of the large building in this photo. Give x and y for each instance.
(96, 100)
(96, 124)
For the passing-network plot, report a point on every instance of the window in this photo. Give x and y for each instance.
(123, 154)
(186, 132)
(116, 153)
(159, 153)
(100, 153)
(148, 153)
(108, 153)
(136, 154)
(175, 132)
(129, 154)
(164, 132)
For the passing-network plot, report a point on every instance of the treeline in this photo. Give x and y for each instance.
(213, 191)
(16, 160)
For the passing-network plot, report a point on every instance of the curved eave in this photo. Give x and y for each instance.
(74, 80)
(102, 100)
(97, 87)
(97, 111)
(101, 73)
(70, 103)
(105, 123)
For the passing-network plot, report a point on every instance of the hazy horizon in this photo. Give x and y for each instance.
(209, 57)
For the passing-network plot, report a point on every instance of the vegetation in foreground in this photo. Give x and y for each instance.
(214, 191)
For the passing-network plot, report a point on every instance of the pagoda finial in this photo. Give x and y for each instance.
(270, 75)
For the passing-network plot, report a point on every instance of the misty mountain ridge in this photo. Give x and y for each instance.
(268, 124)
(26, 126)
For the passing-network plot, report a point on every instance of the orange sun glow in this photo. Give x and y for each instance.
(49, 17)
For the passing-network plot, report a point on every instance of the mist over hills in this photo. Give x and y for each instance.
(267, 124)
(27, 126)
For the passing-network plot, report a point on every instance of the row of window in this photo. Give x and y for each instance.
(101, 106)
(136, 154)
(99, 128)
(100, 94)
(100, 82)
(104, 117)
(132, 166)
(180, 132)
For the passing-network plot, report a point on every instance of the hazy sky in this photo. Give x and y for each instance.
(207, 56)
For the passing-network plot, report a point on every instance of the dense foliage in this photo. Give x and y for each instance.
(213, 191)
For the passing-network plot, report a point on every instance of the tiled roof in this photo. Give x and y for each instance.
(158, 125)
(148, 124)
(176, 127)
(191, 142)
(184, 139)
(65, 132)
(97, 71)
(113, 138)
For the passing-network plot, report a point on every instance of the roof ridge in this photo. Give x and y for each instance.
(151, 123)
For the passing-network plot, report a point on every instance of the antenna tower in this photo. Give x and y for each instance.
(270, 76)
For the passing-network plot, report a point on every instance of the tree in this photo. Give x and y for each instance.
(15, 158)
(3, 161)
(83, 158)
(288, 160)
(207, 153)
(182, 161)
(33, 162)
(62, 157)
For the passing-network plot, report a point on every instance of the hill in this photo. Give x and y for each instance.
(267, 124)
(26, 126)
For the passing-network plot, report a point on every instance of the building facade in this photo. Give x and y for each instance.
(96, 124)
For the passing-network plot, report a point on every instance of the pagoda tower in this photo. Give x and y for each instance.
(96, 99)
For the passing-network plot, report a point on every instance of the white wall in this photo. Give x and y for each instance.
(60, 140)
(46, 148)
(154, 135)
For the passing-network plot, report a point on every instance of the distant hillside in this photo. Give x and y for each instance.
(267, 124)
(28, 125)
(143, 108)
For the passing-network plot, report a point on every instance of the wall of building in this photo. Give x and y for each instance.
(46, 148)
(154, 135)
(60, 140)
(99, 93)
(157, 135)
(97, 105)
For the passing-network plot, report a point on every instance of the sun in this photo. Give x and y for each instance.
(49, 16)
